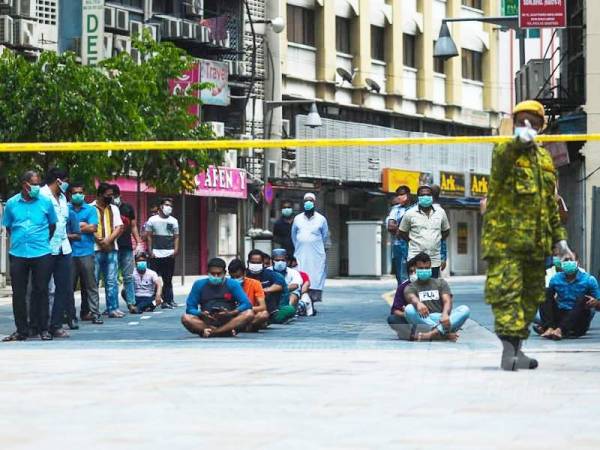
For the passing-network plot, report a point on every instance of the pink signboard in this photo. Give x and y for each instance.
(183, 85)
(222, 182)
(542, 13)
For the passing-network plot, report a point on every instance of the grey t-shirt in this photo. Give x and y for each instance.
(429, 292)
(164, 230)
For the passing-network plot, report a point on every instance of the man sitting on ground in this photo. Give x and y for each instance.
(305, 305)
(571, 299)
(217, 306)
(147, 285)
(274, 285)
(255, 293)
(430, 303)
(292, 276)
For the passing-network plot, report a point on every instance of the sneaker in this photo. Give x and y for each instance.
(166, 305)
(301, 311)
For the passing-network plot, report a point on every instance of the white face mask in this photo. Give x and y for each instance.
(255, 268)
(167, 210)
(413, 277)
(117, 201)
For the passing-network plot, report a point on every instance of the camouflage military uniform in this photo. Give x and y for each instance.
(521, 224)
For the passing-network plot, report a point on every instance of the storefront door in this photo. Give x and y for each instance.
(462, 249)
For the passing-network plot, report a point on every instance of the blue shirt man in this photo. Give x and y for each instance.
(204, 296)
(87, 214)
(569, 291)
(392, 222)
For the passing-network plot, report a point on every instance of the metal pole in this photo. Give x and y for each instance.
(182, 236)
(522, 37)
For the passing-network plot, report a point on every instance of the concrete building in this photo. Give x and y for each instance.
(29, 26)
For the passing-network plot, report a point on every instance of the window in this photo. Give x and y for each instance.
(342, 35)
(473, 3)
(378, 43)
(438, 63)
(472, 65)
(163, 6)
(408, 46)
(301, 25)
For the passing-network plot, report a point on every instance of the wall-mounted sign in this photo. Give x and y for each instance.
(217, 73)
(92, 32)
(182, 85)
(479, 185)
(543, 13)
(452, 184)
(391, 179)
(222, 182)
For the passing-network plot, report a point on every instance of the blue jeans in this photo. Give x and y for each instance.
(400, 254)
(106, 266)
(458, 317)
(126, 262)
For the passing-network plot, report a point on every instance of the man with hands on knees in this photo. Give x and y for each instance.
(217, 306)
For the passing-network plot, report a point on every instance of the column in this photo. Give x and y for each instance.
(454, 66)
(490, 60)
(326, 51)
(425, 58)
(394, 58)
(361, 49)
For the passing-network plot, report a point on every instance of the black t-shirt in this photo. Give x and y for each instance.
(127, 212)
(282, 235)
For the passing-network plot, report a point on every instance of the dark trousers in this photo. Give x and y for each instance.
(84, 272)
(165, 267)
(20, 269)
(63, 288)
(143, 302)
(574, 322)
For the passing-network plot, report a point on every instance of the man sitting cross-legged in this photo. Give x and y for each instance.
(217, 306)
(255, 293)
(429, 302)
(147, 286)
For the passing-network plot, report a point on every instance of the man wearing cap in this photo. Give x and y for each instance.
(310, 232)
(400, 246)
(520, 228)
(424, 228)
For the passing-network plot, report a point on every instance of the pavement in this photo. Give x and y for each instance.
(340, 380)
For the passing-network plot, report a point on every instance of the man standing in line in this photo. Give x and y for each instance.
(520, 227)
(61, 284)
(310, 233)
(163, 244)
(424, 228)
(84, 259)
(399, 245)
(282, 230)
(125, 253)
(109, 229)
(30, 220)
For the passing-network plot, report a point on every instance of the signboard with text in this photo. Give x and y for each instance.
(391, 179)
(92, 32)
(182, 85)
(217, 73)
(479, 185)
(510, 7)
(222, 182)
(543, 13)
(452, 184)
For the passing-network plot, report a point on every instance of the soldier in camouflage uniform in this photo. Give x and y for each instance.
(521, 225)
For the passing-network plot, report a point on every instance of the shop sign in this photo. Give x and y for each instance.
(216, 73)
(452, 184)
(391, 179)
(183, 84)
(543, 13)
(479, 185)
(222, 182)
(92, 35)
(510, 7)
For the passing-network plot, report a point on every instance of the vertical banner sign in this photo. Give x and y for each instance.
(543, 13)
(182, 85)
(92, 32)
(216, 73)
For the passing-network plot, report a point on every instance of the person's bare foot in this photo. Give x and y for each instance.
(557, 335)
(208, 332)
(548, 333)
(433, 335)
(452, 337)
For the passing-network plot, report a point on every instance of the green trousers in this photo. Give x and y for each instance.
(514, 288)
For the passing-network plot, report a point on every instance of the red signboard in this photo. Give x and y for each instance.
(543, 13)
(183, 85)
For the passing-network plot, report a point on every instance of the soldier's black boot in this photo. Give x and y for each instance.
(524, 361)
(510, 347)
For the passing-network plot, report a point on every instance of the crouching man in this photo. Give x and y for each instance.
(217, 306)
(429, 303)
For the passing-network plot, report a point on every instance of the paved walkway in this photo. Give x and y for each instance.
(336, 381)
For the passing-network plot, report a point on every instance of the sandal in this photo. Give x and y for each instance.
(16, 336)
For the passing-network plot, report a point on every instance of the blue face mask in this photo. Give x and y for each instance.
(63, 186)
(279, 266)
(142, 265)
(424, 274)
(34, 191)
(77, 199)
(309, 205)
(287, 212)
(569, 267)
(557, 262)
(240, 281)
(215, 281)
(425, 201)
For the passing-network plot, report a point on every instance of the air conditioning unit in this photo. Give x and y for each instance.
(122, 20)
(171, 28)
(135, 29)
(153, 31)
(218, 128)
(122, 44)
(202, 33)
(285, 128)
(136, 55)
(108, 45)
(194, 8)
(6, 30)
(23, 8)
(187, 30)
(110, 18)
(532, 81)
(5, 3)
(25, 33)
(238, 68)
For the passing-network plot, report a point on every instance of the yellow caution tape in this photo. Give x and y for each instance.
(264, 143)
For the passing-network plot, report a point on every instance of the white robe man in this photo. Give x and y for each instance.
(310, 234)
